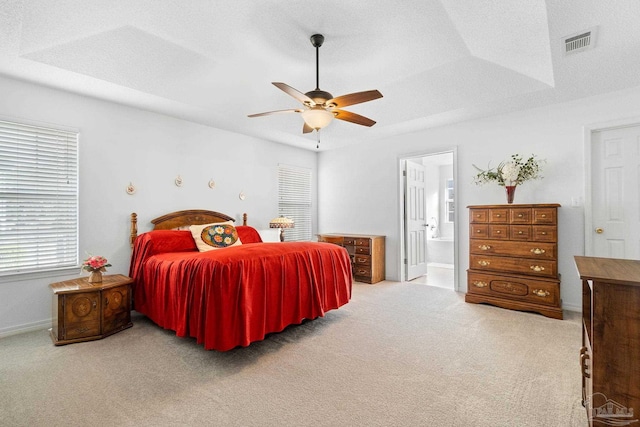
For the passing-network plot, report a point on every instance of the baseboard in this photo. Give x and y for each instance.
(439, 265)
(27, 327)
(571, 307)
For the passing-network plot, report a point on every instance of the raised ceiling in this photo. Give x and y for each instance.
(212, 62)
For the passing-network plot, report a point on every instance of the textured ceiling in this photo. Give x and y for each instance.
(212, 62)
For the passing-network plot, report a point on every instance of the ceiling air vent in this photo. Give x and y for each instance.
(581, 41)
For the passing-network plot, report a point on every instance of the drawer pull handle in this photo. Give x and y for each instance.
(584, 357)
(543, 215)
(484, 247)
(479, 284)
(497, 215)
(94, 304)
(537, 251)
(483, 263)
(541, 293)
(479, 231)
(498, 231)
(519, 232)
(544, 233)
(520, 215)
(537, 268)
(361, 259)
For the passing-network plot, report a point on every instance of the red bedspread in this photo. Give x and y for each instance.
(231, 297)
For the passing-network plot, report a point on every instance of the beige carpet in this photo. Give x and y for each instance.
(396, 355)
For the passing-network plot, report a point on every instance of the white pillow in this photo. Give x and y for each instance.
(215, 236)
(270, 235)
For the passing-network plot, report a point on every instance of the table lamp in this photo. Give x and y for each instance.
(281, 222)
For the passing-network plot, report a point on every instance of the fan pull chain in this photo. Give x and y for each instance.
(318, 139)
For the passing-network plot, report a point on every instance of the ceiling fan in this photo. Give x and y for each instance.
(319, 106)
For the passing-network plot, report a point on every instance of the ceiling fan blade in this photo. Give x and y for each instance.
(348, 116)
(295, 93)
(306, 128)
(268, 113)
(353, 98)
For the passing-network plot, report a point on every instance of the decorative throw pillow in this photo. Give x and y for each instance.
(215, 236)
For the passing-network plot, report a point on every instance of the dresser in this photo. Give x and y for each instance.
(513, 257)
(610, 353)
(366, 253)
(84, 311)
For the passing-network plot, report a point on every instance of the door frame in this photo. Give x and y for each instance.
(588, 131)
(401, 197)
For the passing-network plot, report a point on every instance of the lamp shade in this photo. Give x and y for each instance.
(317, 117)
(281, 222)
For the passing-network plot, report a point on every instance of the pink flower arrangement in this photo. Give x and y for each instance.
(95, 263)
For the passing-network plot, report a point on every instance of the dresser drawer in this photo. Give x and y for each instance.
(520, 232)
(534, 267)
(363, 242)
(336, 240)
(478, 215)
(515, 288)
(362, 260)
(498, 231)
(363, 250)
(349, 241)
(544, 215)
(362, 272)
(520, 216)
(545, 233)
(499, 216)
(531, 250)
(479, 231)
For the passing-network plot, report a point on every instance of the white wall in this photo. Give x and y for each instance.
(119, 145)
(370, 201)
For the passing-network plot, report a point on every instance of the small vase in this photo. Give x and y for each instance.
(95, 277)
(511, 191)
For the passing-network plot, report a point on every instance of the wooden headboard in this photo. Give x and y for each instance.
(178, 219)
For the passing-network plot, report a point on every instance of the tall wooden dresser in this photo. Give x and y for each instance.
(513, 257)
(610, 353)
(366, 252)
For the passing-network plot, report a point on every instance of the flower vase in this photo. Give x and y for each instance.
(95, 277)
(511, 191)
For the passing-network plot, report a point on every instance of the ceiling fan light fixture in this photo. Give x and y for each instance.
(317, 117)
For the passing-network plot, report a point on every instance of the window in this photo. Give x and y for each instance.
(294, 201)
(448, 199)
(38, 198)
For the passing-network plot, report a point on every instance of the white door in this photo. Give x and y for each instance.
(615, 193)
(416, 220)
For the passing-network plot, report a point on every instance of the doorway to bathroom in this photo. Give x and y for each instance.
(429, 219)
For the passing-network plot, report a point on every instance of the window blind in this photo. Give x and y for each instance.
(294, 200)
(38, 198)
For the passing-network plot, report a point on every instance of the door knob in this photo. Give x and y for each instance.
(599, 230)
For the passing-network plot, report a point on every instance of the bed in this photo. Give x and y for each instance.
(235, 295)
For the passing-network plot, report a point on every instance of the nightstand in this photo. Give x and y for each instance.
(84, 311)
